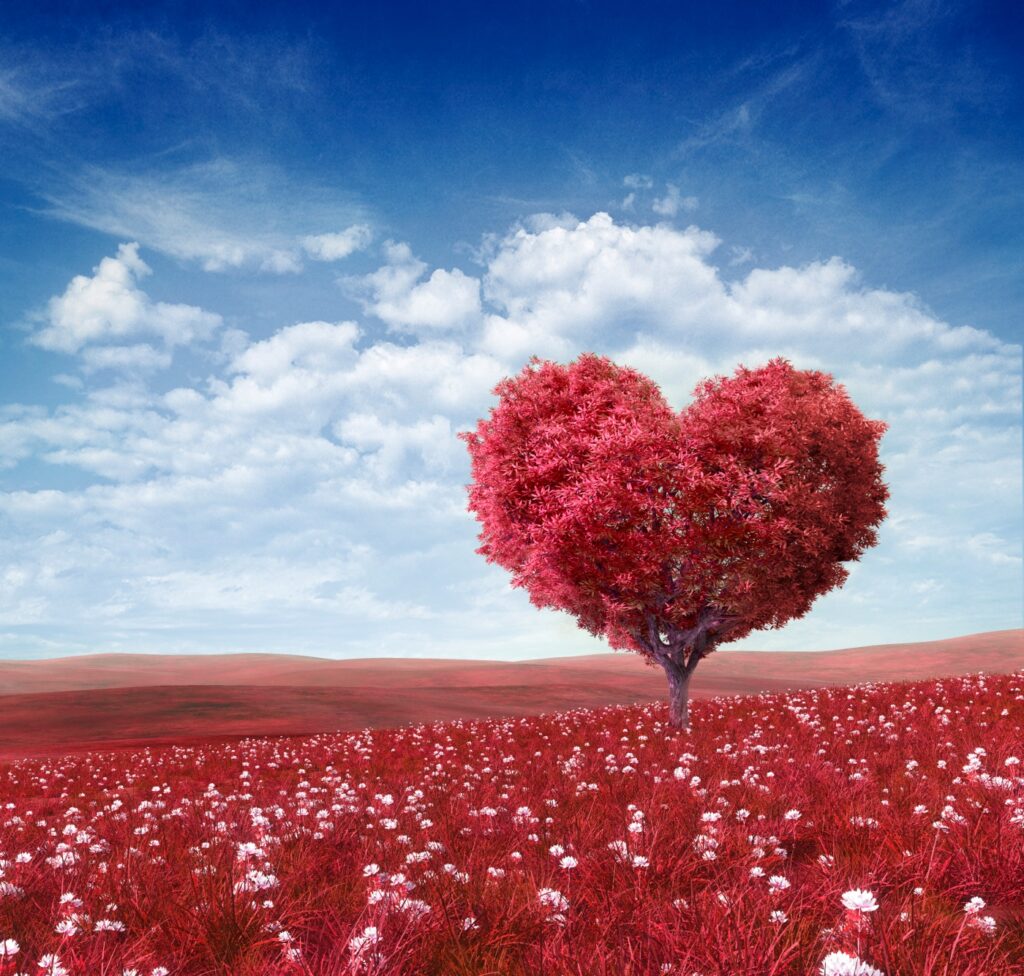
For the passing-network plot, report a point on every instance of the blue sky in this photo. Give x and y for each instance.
(259, 266)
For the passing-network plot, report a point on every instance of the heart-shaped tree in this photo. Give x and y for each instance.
(670, 533)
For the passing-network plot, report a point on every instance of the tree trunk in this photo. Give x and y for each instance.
(678, 695)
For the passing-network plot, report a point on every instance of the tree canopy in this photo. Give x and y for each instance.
(671, 533)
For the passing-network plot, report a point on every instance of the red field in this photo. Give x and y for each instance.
(106, 700)
(785, 835)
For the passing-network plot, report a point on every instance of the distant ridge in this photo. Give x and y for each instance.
(997, 650)
(61, 704)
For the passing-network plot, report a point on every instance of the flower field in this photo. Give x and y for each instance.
(843, 831)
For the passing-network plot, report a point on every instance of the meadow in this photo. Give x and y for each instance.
(845, 831)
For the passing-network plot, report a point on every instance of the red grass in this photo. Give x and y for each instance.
(153, 840)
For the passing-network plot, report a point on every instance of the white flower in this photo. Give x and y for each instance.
(556, 850)
(779, 917)
(619, 849)
(986, 923)
(777, 884)
(567, 863)
(360, 944)
(704, 842)
(256, 880)
(50, 965)
(974, 906)
(414, 907)
(841, 964)
(108, 925)
(640, 862)
(792, 815)
(858, 900)
(469, 924)
(553, 900)
(8, 948)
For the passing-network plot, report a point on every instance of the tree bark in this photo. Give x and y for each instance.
(681, 651)
(678, 695)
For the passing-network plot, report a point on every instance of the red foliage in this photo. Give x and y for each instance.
(669, 533)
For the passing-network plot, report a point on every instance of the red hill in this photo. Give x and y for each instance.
(62, 704)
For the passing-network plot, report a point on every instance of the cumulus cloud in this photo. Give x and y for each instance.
(673, 202)
(395, 294)
(389, 442)
(110, 305)
(311, 491)
(335, 247)
(303, 349)
(141, 357)
(562, 287)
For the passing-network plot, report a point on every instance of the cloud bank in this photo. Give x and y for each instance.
(307, 494)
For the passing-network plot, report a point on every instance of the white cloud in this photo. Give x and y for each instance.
(673, 201)
(109, 305)
(138, 358)
(396, 295)
(637, 181)
(334, 247)
(433, 440)
(299, 350)
(311, 491)
(223, 214)
(566, 287)
(253, 586)
(740, 255)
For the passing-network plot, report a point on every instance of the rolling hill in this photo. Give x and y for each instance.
(63, 704)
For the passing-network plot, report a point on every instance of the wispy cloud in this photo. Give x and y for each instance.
(910, 55)
(737, 123)
(41, 83)
(29, 96)
(222, 214)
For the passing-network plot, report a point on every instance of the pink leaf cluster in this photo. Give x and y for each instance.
(670, 533)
